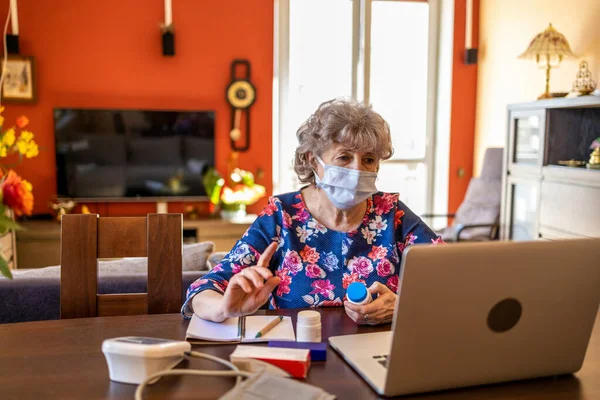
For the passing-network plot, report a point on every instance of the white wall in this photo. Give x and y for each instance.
(506, 28)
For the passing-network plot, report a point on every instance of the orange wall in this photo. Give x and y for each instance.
(462, 119)
(107, 54)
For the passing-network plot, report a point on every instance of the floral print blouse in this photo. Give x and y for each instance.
(317, 264)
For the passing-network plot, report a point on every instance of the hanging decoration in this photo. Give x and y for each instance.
(241, 94)
(168, 31)
(470, 54)
(12, 39)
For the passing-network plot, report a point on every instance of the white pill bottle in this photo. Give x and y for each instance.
(357, 293)
(308, 326)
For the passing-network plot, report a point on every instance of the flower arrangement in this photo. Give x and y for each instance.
(233, 196)
(15, 192)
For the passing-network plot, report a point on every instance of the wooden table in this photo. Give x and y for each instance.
(63, 360)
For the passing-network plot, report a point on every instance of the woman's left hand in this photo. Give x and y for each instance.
(379, 311)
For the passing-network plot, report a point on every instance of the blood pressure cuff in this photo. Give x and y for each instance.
(265, 386)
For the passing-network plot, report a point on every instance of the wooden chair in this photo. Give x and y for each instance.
(87, 237)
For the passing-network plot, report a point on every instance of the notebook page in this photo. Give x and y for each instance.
(226, 331)
(282, 331)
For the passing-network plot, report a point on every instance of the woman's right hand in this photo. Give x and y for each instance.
(249, 289)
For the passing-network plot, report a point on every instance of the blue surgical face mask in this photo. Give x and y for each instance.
(346, 187)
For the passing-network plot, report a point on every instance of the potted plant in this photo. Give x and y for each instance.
(15, 192)
(231, 198)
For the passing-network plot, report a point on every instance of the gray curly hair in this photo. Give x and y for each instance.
(341, 121)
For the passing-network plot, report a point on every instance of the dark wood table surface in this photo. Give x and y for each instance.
(63, 360)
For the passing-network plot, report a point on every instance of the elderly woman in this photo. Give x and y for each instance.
(306, 247)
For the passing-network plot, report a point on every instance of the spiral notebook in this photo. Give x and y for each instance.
(239, 330)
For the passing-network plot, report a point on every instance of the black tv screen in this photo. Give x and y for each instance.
(116, 154)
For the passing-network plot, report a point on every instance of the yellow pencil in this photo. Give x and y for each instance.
(269, 326)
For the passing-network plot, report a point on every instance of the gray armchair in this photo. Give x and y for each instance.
(477, 217)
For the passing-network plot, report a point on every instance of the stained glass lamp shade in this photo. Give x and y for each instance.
(548, 49)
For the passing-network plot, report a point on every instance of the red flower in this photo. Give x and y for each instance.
(385, 268)
(302, 214)
(195, 285)
(365, 220)
(284, 275)
(17, 194)
(282, 289)
(331, 303)
(309, 254)
(392, 283)
(22, 121)
(287, 220)
(410, 239)
(361, 265)
(286, 280)
(398, 218)
(217, 268)
(221, 285)
(269, 208)
(292, 262)
(401, 247)
(377, 253)
(350, 278)
(322, 287)
(313, 271)
(237, 268)
(384, 203)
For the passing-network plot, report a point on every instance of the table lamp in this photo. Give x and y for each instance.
(548, 49)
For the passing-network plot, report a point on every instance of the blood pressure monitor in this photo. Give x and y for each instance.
(131, 359)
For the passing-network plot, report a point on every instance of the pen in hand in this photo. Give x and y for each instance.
(269, 326)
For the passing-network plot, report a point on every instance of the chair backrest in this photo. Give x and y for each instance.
(492, 163)
(87, 237)
(481, 204)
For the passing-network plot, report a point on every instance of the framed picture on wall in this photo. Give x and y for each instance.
(19, 80)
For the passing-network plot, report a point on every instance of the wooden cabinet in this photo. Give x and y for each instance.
(224, 234)
(526, 145)
(523, 200)
(570, 201)
(7, 247)
(542, 199)
(38, 245)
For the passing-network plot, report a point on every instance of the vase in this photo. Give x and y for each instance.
(233, 211)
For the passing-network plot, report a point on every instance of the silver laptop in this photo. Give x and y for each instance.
(471, 314)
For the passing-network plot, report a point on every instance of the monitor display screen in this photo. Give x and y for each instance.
(112, 154)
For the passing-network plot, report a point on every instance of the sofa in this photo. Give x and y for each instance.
(34, 294)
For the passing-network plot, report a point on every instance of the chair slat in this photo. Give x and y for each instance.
(110, 305)
(85, 238)
(122, 237)
(79, 266)
(165, 237)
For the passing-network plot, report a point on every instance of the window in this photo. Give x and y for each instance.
(398, 91)
(377, 51)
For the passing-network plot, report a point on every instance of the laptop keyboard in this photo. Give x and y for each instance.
(382, 359)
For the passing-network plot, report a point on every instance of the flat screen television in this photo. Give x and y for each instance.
(132, 154)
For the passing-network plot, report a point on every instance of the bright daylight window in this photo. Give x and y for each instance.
(319, 67)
